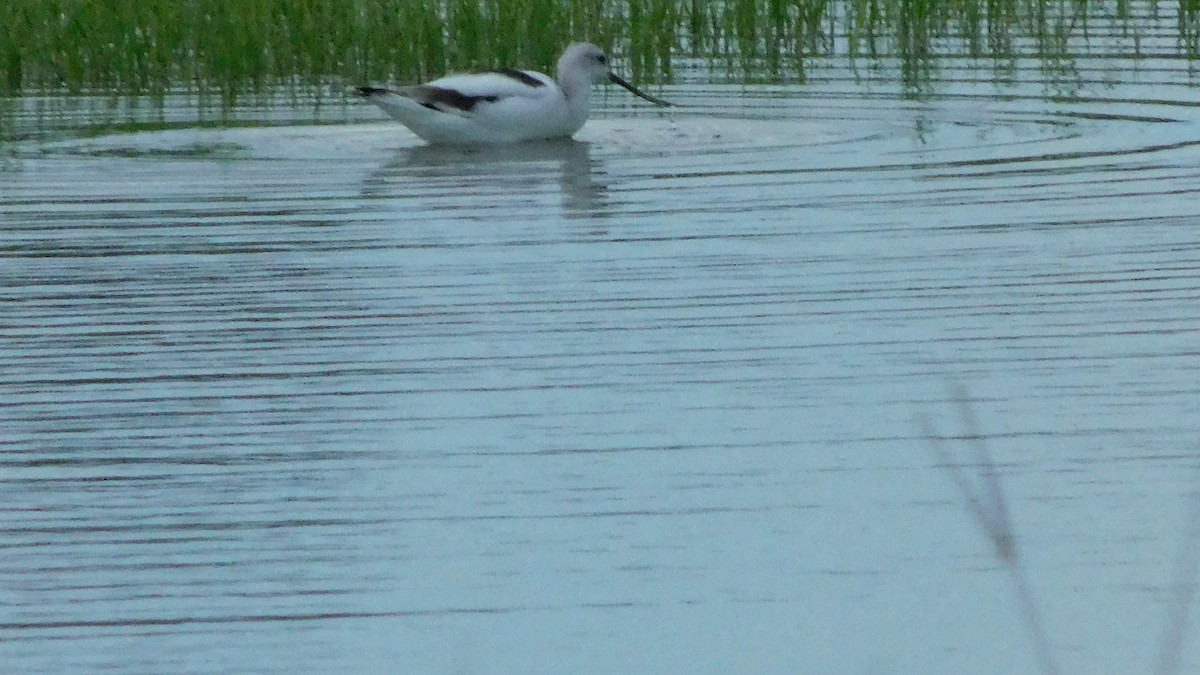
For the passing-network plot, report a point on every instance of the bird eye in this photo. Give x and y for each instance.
(602, 58)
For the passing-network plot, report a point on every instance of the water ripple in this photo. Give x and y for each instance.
(319, 397)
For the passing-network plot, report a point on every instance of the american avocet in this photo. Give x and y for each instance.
(505, 106)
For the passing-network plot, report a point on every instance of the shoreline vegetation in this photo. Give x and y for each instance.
(97, 66)
(234, 48)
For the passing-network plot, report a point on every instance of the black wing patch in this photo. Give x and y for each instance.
(443, 99)
(436, 98)
(521, 76)
(369, 91)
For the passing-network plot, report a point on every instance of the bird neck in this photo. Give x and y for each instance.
(578, 92)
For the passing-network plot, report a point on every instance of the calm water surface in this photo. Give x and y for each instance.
(320, 399)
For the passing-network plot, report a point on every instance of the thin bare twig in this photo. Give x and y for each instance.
(1183, 588)
(989, 507)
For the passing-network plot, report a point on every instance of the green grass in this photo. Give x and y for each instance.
(237, 47)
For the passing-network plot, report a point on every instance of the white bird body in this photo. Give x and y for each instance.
(506, 106)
